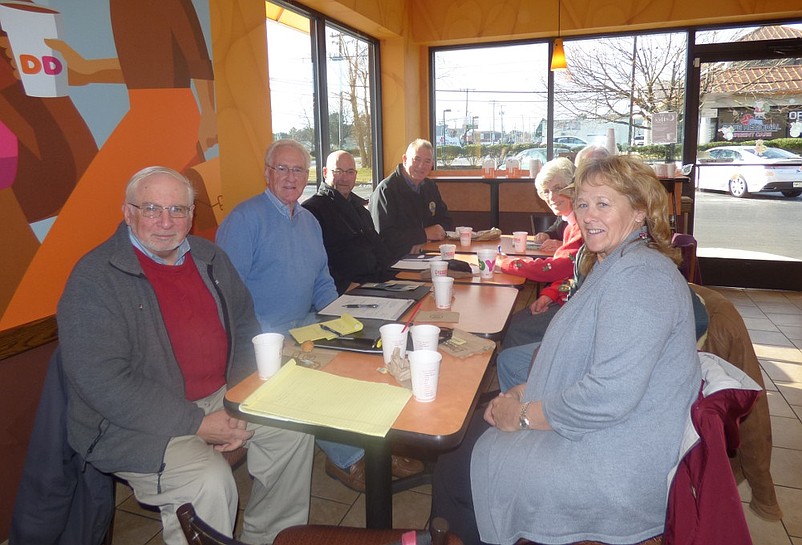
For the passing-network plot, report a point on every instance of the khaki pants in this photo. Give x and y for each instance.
(280, 462)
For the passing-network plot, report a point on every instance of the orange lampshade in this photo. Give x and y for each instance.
(558, 56)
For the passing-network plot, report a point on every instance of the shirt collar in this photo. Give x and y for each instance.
(570, 218)
(183, 250)
(283, 208)
(408, 180)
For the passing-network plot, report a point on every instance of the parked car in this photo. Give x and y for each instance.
(534, 153)
(742, 170)
(570, 141)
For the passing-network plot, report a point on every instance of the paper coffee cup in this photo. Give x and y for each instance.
(43, 70)
(424, 366)
(519, 241)
(425, 337)
(465, 234)
(268, 348)
(439, 268)
(448, 251)
(393, 336)
(487, 262)
(443, 291)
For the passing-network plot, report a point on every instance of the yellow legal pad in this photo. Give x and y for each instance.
(306, 395)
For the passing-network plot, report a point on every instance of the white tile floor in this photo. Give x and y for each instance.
(774, 320)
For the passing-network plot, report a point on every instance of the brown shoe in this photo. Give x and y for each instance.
(406, 467)
(353, 477)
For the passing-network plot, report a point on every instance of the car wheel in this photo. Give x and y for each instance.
(791, 193)
(738, 187)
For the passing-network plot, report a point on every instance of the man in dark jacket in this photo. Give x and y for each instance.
(154, 326)
(355, 250)
(406, 207)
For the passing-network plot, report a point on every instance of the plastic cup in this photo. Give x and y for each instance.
(43, 70)
(424, 366)
(448, 251)
(425, 337)
(465, 235)
(487, 262)
(268, 348)
(393, 336)
(519, 241)
(443, 291)
(439, 268)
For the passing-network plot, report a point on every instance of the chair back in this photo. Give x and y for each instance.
(198, 532)
(690, 264)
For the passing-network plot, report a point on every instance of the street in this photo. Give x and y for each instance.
(762, 226)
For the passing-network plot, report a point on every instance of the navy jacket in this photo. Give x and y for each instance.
(61, 500)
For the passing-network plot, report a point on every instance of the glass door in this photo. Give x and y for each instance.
(748, 161)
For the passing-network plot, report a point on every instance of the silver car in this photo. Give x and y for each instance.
(742, 170)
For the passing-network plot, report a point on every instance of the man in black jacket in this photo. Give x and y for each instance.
(406, 207)
(356, 252)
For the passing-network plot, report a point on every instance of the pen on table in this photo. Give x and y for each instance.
(353, 305)
(412, 316)
(324, 327)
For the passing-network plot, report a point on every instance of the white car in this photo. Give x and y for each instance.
(742, 170)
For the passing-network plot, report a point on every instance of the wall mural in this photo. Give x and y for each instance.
(90, 94)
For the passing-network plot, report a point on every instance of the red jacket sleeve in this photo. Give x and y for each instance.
(556, 268)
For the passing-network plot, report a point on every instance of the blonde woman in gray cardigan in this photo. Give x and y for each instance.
(583, 449)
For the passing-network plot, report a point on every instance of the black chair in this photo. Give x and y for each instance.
(198, 532)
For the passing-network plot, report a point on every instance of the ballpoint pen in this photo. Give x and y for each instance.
(353, 305)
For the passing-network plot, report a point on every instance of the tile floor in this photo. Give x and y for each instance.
(774, 320)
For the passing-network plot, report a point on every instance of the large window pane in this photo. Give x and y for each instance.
(349, 80)
(490, 101)
(616, 88)
(291, 71)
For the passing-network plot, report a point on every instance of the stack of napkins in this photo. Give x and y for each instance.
(344, 325)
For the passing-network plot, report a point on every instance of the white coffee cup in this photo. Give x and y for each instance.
(465, 235)
(268, 348)
(393, 336)
(424, 366)
(519, 241)
(443, 291)
(448, 251)
(42, 69)
(487, 262)
(439, 268)
(425, 337)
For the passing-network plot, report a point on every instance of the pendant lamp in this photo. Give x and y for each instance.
(558, 53)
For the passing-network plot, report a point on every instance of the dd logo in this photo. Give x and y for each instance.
(48, 64)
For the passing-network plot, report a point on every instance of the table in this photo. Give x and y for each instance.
(499, 278)
(439, 425)
(505, 241)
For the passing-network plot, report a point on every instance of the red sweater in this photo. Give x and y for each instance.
(556, 269)
(189, 311)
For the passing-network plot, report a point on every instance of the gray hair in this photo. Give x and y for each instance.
(148, 172)
(556, 169)
(287, 143)
(417, 144)
(590, 153)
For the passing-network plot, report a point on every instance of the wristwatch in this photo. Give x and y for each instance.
(523, 420)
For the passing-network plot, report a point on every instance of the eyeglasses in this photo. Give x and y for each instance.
(151, 211)
(284, 170)
(340, 172)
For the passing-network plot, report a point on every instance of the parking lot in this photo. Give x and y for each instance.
(763, 226)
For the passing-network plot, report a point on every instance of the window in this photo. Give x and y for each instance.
(495, 101)
(310, 56)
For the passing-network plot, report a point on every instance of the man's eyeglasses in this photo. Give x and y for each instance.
(284, 170)
(175, 211)
(340, 172)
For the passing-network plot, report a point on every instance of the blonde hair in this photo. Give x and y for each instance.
(635, 180)
(557, 169)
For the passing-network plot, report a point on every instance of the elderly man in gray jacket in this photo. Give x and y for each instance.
(154, 326)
